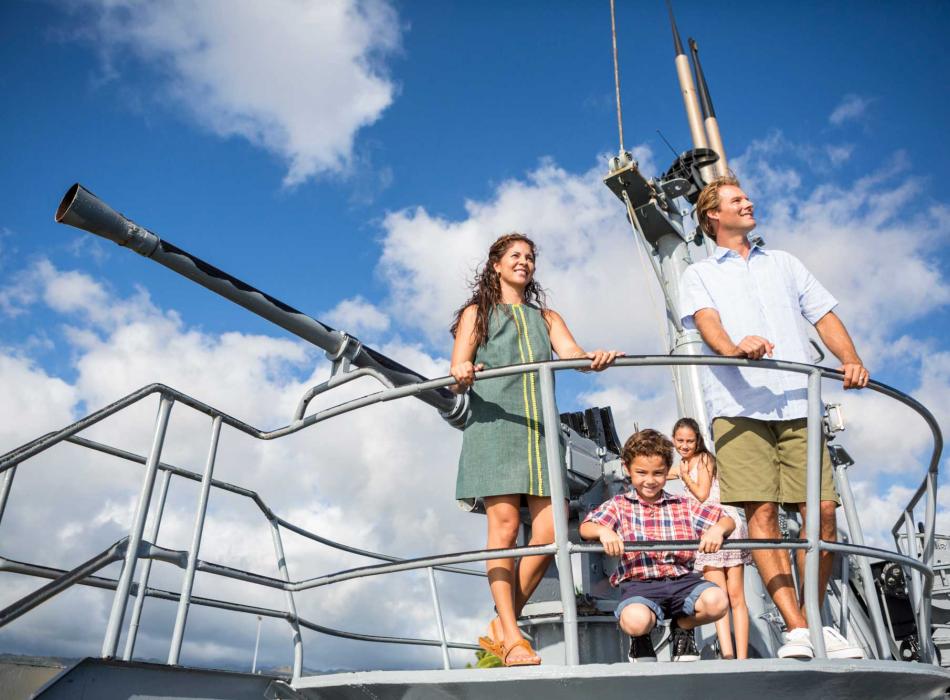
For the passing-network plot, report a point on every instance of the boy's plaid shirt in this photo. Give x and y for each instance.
(671, 517)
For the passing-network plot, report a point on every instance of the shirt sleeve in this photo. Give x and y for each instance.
(813, 299)
(704, 516)
(693, 295)
(606, 514)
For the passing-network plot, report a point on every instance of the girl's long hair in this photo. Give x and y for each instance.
(694, 426)
(486, 288)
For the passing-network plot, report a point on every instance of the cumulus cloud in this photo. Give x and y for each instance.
(875, 238)
(851, 108)
(358, 316)
(397, 461)
(297, 78)
(382, 462)
(587, 259)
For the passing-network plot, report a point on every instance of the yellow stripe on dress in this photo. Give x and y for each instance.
(524, 390)
(534, 405)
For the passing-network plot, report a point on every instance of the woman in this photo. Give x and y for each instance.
(503, 459)
(725, 568)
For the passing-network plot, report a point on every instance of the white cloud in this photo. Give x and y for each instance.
(869, 242)
(358, 317)
(298, 78)
(375, 479)
(587, 259)
(851, 108)
(396, 461)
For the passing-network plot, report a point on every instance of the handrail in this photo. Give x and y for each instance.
(258, 501)
(160, 594)
(922, 568)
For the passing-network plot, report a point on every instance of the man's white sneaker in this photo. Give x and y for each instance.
(838, 647)
(797, 645)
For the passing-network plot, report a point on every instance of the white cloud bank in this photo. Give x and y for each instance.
(376, 479)
(384, 478)
(298, 78)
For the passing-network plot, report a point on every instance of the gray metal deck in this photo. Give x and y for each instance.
(775, 679)
(107, 679)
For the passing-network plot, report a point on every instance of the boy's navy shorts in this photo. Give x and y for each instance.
(668, 598)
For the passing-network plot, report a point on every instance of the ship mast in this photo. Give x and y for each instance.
(659, 213)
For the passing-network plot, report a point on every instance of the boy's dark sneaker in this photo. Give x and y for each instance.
(683, 645)
(641, 649)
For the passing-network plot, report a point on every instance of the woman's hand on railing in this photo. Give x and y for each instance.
(464, 373)
(602, 359)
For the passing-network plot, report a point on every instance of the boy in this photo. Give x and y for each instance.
(658, 585)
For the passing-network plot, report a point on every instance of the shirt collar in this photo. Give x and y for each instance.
(721, 253)
(631, 495)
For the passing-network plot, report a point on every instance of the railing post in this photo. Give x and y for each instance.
(446, 664)
(188, 580)
(917, 591)
(923, 619)
(562, 556)
(867, 578)
(813, 514)
(5, 485)
(291, 606)
(146, 570)
(121, 598)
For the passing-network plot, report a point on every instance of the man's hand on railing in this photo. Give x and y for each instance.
(856, 375)
(754, 347)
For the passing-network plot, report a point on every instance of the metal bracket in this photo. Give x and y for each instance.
(345, 354)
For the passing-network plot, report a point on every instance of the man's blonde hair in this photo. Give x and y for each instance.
(709, 201)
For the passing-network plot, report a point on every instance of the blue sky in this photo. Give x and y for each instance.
(358, 170)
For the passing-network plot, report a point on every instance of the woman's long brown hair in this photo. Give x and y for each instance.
(486, 288)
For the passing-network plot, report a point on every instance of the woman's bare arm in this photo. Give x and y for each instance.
(463, 352)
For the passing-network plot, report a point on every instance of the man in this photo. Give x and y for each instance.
(748, 302)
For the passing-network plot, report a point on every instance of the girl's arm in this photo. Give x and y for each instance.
(701, 486)
(711, 541)
(463, 352)
(567, 348)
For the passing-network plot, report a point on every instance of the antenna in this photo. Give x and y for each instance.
(685, 75)
(613, 36)
(668, 144)
(709, 113)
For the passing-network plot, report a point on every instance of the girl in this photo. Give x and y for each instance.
(503, 459)
(725, 568)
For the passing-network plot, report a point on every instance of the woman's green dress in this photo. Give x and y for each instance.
(503, 440)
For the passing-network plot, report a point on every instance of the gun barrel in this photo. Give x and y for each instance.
(82, 209)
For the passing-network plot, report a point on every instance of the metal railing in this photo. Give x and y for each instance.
(139, 546)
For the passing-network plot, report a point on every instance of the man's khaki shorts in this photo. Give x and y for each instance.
(765, 460)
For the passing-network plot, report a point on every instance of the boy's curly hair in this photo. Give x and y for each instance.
(647, 443)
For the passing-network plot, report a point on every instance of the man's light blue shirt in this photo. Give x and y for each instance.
(766, 295)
